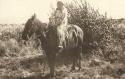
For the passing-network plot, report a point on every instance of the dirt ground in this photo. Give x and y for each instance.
(35, 67)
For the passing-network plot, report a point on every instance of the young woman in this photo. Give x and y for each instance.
(59, 19)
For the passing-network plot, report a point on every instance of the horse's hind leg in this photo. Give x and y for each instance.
(73, 57)
(76, 58)
(79, 57)
(73, 64)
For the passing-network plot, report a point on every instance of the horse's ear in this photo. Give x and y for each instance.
(34, 16)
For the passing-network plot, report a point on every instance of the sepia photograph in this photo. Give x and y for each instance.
(62, 39)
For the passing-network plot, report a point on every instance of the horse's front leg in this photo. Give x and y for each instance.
(51, 62)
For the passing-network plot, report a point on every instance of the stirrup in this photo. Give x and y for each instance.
(60, 47)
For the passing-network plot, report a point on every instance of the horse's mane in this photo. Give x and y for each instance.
(36, 23)
(34, 26)
(34, 20)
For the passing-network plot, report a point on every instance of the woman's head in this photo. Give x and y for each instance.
(60, 4)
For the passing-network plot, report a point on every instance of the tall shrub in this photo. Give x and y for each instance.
(98, 35)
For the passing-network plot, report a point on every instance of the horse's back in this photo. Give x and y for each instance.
(76, 28)
(73, 36)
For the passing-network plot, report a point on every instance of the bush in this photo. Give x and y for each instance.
(2, 49)
(99, 35)
(11, 44)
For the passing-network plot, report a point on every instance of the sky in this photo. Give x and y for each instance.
(18, 11)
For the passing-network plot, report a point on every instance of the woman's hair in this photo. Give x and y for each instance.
(60, 3)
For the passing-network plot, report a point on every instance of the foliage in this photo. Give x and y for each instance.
(100, 33)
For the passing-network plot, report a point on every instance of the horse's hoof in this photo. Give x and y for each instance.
(52, 77)
(72, 69)
(49, 76)
(80, 68)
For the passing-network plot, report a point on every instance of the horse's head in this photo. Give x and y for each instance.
(33, 26)
(28, 31)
